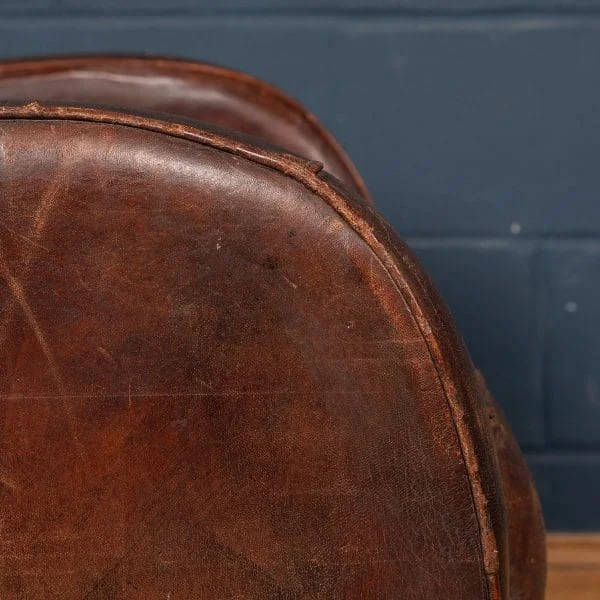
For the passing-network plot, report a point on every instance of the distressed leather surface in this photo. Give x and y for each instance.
(526, 534)
(224, 378)
(229, 98)
(209, 93)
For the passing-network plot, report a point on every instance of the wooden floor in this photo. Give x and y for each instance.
(573, 567)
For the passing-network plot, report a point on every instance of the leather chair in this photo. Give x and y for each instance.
(225, 375)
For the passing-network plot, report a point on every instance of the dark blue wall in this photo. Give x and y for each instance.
(476, 124)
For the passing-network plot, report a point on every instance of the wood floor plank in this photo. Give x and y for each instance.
(573, 567)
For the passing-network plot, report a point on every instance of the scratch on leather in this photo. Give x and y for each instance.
(19, 295)
(40, 218)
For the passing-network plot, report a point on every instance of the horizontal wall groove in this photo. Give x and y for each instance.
(521, 20)
(525, 11)
(591, 456)
(503, 240)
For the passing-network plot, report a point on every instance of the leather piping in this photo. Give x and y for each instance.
(35, 66)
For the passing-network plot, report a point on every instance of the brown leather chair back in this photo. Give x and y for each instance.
(503, 505)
